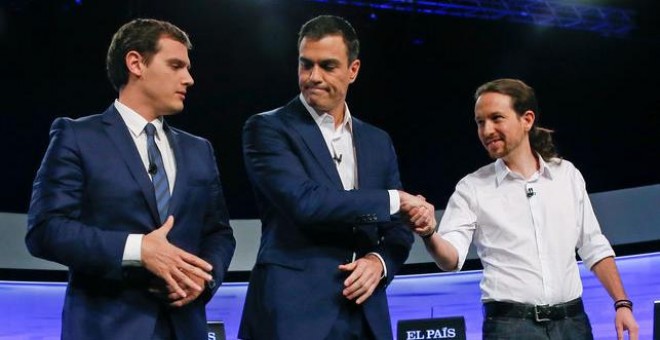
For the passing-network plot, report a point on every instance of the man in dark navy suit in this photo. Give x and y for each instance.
(133, 206)
(327, 185)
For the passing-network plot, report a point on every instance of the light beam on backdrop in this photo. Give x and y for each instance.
(607, 21)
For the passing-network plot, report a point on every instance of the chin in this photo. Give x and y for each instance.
(496, 154)
(316, 105)
(174, 109)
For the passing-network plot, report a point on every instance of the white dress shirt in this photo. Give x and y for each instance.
(526, 231)
(135, 124)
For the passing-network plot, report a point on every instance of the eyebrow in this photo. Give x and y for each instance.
(321, 62)
(179, 61)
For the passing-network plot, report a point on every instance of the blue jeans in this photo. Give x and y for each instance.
(573, 328)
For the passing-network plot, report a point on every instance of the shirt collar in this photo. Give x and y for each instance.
(325, 118)
(501, 170)
(544, 168)
(135, 122)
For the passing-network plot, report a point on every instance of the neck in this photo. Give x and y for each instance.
(338, 115)
(339, 120)
(137, 104)
(524, 162)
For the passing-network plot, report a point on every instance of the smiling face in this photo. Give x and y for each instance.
(324, 73)
(503, 132)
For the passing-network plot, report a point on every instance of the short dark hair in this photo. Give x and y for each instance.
(142, 36)
(523, 99)
(324, 25)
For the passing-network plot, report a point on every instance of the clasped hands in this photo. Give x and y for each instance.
(185, 275)
(419, 213)
(366, 272)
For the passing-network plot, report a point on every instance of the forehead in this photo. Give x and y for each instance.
(491, 102)
(327, 47)
(170, 48)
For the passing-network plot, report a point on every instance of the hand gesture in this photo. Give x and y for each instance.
(365, 275)
(178, 300)
(419, 213)
(172, 264)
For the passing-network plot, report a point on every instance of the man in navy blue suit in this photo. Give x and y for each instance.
(327, 186)
(133, 206)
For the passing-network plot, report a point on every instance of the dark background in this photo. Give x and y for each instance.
(418, 74)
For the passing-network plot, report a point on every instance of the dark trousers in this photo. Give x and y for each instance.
(516, 321)
(164, 329)
(351, 324)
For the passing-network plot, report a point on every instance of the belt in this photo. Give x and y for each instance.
(538, 313)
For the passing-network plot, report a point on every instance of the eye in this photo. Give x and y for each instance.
(305, 64)
(177, 65)
(328, 65)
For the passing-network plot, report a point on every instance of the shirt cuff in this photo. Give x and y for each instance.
(395, 203)
(381, 262)
(132, 250)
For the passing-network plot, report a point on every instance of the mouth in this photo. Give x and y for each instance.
(181, 94)
(491, 142)
(314, 89)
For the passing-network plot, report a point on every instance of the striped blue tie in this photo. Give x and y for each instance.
(158, 174)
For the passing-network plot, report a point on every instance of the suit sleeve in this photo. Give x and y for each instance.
(396, 237)
(54, 230)
(218, 242)
(276, 171)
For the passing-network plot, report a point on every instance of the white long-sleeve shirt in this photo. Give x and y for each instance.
(526, 231)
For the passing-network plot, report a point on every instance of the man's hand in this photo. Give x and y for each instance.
(422, 219)
(408, 202)
(623, 321)
(172, 264)
(365, 275)
(192, 294)
(419, 213)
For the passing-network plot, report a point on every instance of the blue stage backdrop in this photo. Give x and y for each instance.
(32, 310)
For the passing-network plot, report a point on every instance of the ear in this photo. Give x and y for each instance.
(134, 63)
(528, 119)
(353, 70)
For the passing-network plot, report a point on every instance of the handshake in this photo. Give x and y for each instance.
(419, 213)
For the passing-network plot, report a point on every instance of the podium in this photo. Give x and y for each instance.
(216, 330)
(434, 328)
(656, 320)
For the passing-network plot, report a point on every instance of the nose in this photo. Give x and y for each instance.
(487, 128)
(188, 79)
(315, 74)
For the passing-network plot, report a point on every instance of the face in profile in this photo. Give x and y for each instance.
(324, 72)
(499, 127)
(166, 78)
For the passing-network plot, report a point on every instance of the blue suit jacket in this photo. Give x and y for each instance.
(311, 225)
(90, 192)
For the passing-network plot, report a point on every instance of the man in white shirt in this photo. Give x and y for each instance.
(526, 213)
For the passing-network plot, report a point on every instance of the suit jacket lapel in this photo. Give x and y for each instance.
(305, 125)
(181, 170)
(121, 137)
(360, 143)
